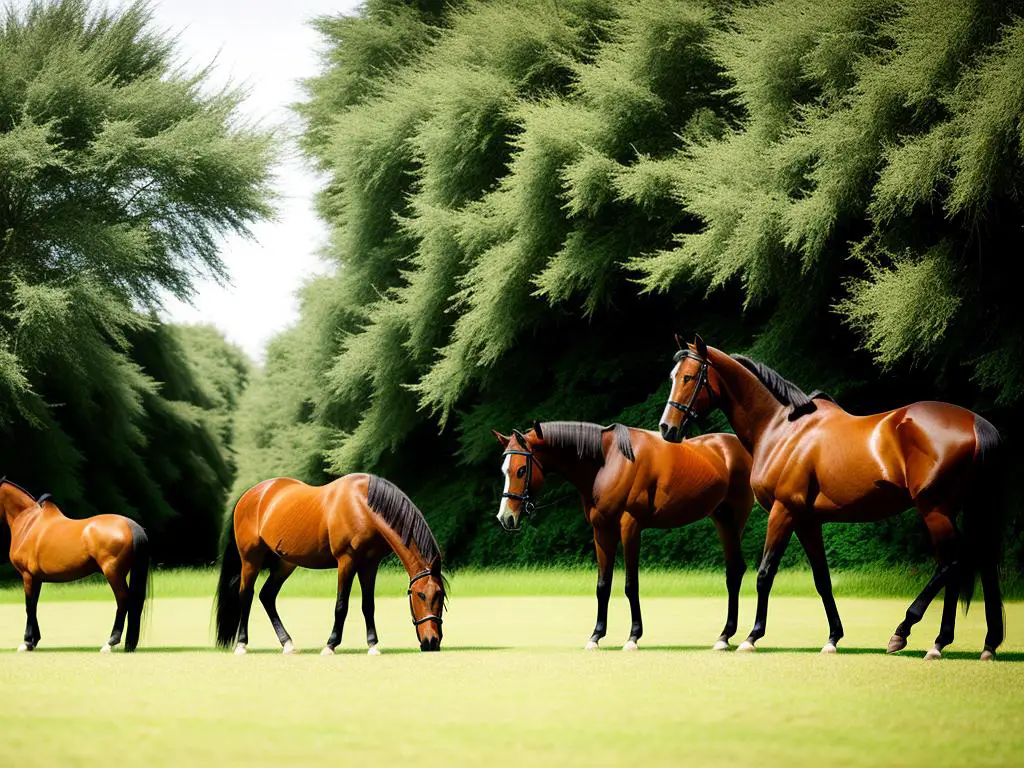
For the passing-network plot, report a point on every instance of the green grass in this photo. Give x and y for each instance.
(511, 582)
(512, 685)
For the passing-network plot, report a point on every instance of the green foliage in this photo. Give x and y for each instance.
(118, 173)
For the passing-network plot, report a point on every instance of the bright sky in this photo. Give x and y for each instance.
(268, 46)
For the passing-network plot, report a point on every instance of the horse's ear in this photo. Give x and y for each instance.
(679, 342)
(502, 439)
(702, 348)
(519, 437)
(537, 430)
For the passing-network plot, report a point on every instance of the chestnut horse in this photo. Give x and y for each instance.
(47, 546)
(815, 463)
(350, 524)
(628, 480)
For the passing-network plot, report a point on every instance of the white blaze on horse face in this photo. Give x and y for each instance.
(504, 513)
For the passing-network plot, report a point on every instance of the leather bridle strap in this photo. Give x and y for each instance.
(688, 411)
(524, 497)
(430, 617)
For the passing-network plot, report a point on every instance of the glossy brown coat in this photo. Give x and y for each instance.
(47, 546)
(662, 486)
(282, 523)
(815, 463)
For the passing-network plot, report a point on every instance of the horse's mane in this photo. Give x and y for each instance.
(785, 391)
(402, 516)
(586, 438)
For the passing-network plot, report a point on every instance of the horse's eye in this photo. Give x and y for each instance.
(521, 471)
(688, 378)
(422, 596)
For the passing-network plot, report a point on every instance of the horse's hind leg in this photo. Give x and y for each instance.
(728, 529)
(346, 572)
(32, 634)
(367, 581)
(252, 561)
(116, 573)
(268, 596)
(943, 533)
(809, 535)
(631, 554)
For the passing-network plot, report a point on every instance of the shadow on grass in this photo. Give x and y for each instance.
(257, 651)
(1009, 656)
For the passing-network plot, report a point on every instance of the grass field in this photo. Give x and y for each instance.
(511, 685)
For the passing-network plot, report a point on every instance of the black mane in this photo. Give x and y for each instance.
(586, 438)
(785, 391)
(402, 516)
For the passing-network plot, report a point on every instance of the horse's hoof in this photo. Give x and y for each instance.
(988, 655)
(721, 645)
(24, 647)
(590, 646)
(106, 648)
(746, 646)
(373, 650)
(933, 654)
(240, 649)
(828, 648)
(289, 648)
(896, 644)
(630, 645)
(327, 651)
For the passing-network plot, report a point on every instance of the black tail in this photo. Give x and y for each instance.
(139, 586)
(983, 530)
(227, 603)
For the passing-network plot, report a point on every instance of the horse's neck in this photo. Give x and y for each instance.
(565, 461)
(746, 402)
(16, 507)
(409, 555)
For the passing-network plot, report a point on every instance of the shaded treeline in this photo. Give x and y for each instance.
(118, 172)
(526, 198)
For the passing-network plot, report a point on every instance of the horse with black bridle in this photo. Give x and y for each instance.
(814, 463)
(628, 480)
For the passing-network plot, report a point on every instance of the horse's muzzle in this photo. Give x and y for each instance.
(432, 643)
(671, 434)
(509, 523)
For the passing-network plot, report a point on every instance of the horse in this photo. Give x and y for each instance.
(628, 480)
(814, 463)
(47, 546)
(350, 524)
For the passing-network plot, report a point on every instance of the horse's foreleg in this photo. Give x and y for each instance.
(810, 537)
(729, 534)
(32, 635)
(606, 541)
(268, 596)
(346, 572)
(116, 574)
(780, 530)
(367, 582)
(631, 551)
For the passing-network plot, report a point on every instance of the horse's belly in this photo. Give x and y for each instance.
(867, 505)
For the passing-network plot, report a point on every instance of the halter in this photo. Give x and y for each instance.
(688, 411)
(432, 617)
(524, 497)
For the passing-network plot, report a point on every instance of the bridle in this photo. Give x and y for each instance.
(688, 411)
(524, 497)
(431, 617)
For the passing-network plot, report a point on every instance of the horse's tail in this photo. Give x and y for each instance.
(983, 529)
(228, 603)
(139, 586)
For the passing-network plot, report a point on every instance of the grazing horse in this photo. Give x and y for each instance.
(46, 546)
(815, 463)
(350, 524)
(628, 480)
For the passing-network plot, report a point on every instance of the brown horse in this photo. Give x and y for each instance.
(46, 546)
(628, 480)
(815, 463)
(350, 524)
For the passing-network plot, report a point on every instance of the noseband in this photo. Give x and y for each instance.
(688, 411)
(524, 497)
(431, 617)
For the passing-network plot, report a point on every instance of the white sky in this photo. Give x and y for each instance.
(267, 46)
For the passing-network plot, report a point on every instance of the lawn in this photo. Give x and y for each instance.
(512, 684)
